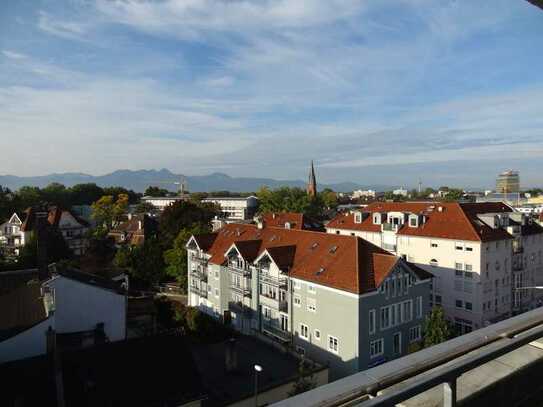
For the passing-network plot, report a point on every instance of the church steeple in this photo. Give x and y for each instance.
(312, 183)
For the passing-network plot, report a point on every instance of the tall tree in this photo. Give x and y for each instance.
(287, 199)
(156, 192)
(107, 211)
(85, 194)
(56, 194)
(436, 328)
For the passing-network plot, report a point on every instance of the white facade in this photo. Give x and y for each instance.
(235, 208)
(400, 192)
(73, 232)
(474, 281)
(370, 193)
(11, 235)
(162, 203)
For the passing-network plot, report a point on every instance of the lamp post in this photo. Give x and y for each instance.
(258, 369)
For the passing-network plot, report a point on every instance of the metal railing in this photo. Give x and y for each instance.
(448, 361)
(199, 274)
(245, 291)
(199, 291)
(240, 272)
(239, 308)
(273, 330)
(199, 259)
(266, 278)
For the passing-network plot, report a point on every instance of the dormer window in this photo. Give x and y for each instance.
(413, 222)
(376, 218)
(287, 225)
(357, 217)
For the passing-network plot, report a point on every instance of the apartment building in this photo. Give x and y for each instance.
(337, 299)
(235, 208)
(480, 254)
(10, 235)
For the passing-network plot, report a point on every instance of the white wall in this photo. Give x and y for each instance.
(79, 307)
(29, 343)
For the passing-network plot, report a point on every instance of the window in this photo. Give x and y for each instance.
(297, 285)
(216, 275)
(407, 311)
(418, 308)
(311, 289)
(413, 222)
(317, 334)
(357, 217)
(297, 301)
(372, 321)
(433, 244)
(458, 246)
(469, 306)
(385, 317)
(397, 343)
(267, 313)
(333, 344)
(459, 273)
(312, 305)
(304, 331)
(415, 334)
(459, 304)
(469, 275)
(458, 266)
(469, 249)
(217, 292)
(376, 348)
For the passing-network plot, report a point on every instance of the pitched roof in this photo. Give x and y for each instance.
(91, 279)
(296, 221)
(343, 262)
(453, 221)
(54, 215)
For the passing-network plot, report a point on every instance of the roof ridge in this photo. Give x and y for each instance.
(479, 238)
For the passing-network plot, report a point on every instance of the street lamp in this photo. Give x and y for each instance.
(258, 369)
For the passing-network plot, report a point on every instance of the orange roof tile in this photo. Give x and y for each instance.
(454, 221)
(343, 262)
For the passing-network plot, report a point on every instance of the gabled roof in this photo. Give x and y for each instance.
(343, 262)
(53, 218)
(453, 221)
(248, 249)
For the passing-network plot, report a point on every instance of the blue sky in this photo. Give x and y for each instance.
(375, 91)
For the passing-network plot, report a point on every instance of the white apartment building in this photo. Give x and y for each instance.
(479, 253)
(338, 300)
(235, 208)
(162, 202)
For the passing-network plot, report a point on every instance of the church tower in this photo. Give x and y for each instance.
(312, 183)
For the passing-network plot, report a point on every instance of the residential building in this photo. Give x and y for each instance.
(336, 299)
(400, 192)
(235, 208)
(71, 226)
(79, 308)
(508, 182)
(479, 253)
(290, 220)
(163, 202)
(134, 230)
(369, 194)
(10, 235)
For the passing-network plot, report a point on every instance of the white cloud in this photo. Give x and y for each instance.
(73, 30)
(13, 55)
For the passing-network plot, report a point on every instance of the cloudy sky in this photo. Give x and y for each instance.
(375, 91)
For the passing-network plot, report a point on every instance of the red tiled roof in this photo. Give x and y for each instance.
(454, 220)
(343, 262)
(296, 220)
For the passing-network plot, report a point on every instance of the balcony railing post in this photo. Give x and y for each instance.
(449, 393)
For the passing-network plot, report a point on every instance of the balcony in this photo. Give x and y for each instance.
(280, 282)
(244, 291)
(389, 247)
(199, 259)
(199, 275)
(273, 330)
(390, 227)
(198, 291)
(239, 271)
(240, 309)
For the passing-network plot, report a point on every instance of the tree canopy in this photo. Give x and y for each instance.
(287, 199)
(436, 328)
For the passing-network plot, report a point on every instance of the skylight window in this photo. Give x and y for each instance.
(314, 245)
(333, 249)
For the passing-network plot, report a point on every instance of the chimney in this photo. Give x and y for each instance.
(259, 222)
(41, 241)
(231, 356)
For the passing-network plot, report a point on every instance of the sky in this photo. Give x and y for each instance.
(375, 91)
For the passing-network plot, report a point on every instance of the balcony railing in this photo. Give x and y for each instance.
(199, 275)
(390, 227)
(280, 281)
(199, 259)
(239, 271)
(202, 292)
(245, 291)
(239, 308)
(275, 331)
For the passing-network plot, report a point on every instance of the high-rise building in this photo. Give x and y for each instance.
(508, 182)
(312, 183)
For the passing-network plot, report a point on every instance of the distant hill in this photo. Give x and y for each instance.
(141, 179)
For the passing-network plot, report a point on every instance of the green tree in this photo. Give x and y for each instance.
(436, 328)
(306, 379)
(184, 215)
(144, 264)
(176, 257)
(329, 198)
(145, 207)
(156, 192)
(85, 194)
(133, 197)
(28, 196)
(287, 199)
(57, 249)
(107, 212)
(56, 194)
(453, 195)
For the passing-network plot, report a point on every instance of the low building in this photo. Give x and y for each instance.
(134, 230)
(10, 235)
(162, 202)
(336, 299)
(80, 308)
(235, 208)
(366, 194)
(400, 192)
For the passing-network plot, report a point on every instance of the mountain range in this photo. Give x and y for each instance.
(141, 179)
